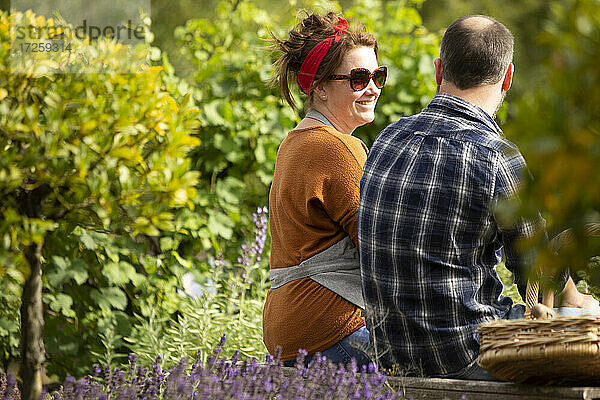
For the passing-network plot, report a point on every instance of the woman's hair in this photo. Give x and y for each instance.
(303, 37)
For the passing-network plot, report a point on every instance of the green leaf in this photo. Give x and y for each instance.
(75, 269)
(138, 279)
(212, 115)
(220, 224)
(118, 273)
(57, 278)
(78, 270)
(149, 264)
(260, 153)
(181, 260)
(110, 297)
(166, 243)
(62, 303)
(230, 190)
(61, 262)
(88, 241)
(8, 327)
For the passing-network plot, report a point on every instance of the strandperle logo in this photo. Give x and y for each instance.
(62, 32)
(58, 36)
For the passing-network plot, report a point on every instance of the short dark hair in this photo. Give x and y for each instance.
(473, 56)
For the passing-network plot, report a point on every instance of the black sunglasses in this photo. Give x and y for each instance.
(360, 77)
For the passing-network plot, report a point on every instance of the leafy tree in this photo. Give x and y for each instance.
(556, 125)
(84, 149)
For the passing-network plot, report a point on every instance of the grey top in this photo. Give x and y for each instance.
(337, 268)
(314, 114)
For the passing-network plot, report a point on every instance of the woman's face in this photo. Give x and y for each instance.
(344, 107)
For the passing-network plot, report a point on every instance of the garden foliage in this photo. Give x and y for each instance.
(242, 120)
(222, 378)
(557, 127)
(232, 302)
(148, 177)
(111, 150)
(93, 162)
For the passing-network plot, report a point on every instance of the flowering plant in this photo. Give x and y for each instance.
(8, 387)
(232, 301)
(221, 378)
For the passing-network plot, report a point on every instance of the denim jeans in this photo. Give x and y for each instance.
(475, 372)
(356, 345)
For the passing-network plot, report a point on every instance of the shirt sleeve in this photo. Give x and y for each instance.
(512, 173)
(342, 187)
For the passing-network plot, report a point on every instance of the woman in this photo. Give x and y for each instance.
(315, 298)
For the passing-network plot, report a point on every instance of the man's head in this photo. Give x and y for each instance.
(476, 50)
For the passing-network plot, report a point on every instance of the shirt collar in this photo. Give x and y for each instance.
(458, 104)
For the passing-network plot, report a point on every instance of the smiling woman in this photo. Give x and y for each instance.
(344, 106)
(315, 298)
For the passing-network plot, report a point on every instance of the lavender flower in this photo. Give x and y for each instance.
(225, 379)
(132, 359)
(221, 342)
(251, 255)
(8, 387)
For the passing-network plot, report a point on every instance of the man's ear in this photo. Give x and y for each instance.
(508, 77)
(438, 70)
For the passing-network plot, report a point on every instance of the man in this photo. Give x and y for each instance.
(429, 239)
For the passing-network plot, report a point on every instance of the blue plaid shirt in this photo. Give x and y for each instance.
(429, 240)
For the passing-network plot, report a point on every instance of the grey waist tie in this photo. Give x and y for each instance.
(337, 268)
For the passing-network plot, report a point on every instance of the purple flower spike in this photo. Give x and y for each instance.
(235, 357)
(372, 368)
(251, 255)
(221, 378)
(269, 359)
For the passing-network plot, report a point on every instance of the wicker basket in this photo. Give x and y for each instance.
(560, 350)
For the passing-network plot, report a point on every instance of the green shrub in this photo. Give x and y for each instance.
(230, 303)
(92, 161)
(557, 127)
(242, 120)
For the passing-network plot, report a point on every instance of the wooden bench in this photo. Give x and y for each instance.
(414, 388)
(455, 389)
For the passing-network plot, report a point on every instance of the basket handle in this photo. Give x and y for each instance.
(533, 287)
(531, 297)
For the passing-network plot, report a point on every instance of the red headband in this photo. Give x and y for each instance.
(311, 63)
